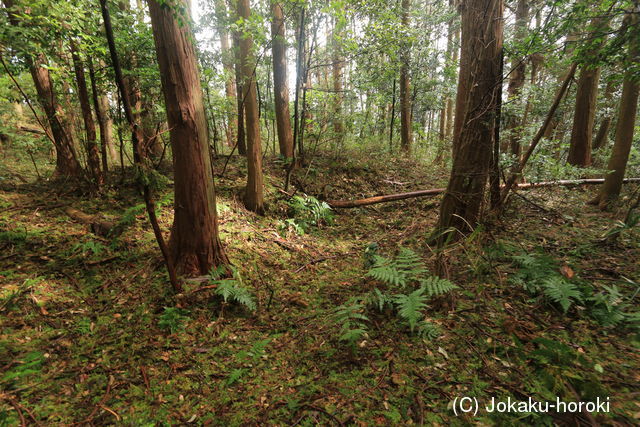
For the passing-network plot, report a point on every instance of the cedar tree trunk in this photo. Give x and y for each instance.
(195, 245)
(280, 88)
(478, 95)
(253, 198)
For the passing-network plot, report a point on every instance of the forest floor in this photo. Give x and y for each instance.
(82, 338)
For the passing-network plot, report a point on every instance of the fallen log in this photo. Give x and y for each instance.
(382, 199)
(346, 204)
(32, 130)
(97, 225)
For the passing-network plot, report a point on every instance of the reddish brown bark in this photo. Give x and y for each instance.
(253, 197)
(406, 136)
(585, 107)
(584, 116)
(194, 242)
(478, 93)
(625, 127)
(280, 87)
(93, 155)
(227, 65)
(67, 164)
(516, 79)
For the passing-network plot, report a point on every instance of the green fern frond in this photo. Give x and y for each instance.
(410, 263)
(434, 286)
(561, 292)
(386, 271)
(407, 266)
(410, 306)
(352, 320)
(230, 289)
(378, 299)
(428, 330)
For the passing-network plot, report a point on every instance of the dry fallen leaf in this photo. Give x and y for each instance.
(566, 271)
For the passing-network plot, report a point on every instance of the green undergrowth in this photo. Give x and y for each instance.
(538, 307)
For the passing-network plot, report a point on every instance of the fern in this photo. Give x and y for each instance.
(309, 211)
(404, 268)
(428, 330)
(410, 306)
(411, 263)
(434, 286)
(231, 290)
(378, 299)
(608, 307)
(386, 271)
(561, 292)
(352, 320)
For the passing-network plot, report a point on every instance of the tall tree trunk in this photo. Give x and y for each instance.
(405, 86)
(536, 61)
(101, 116)
(450, 105)
(585, 108)
(67, 164)
(480, 86)
(446, 115)
(93, 154)
(603, 131)
(241, 137)
(253, 197)
(227, 65)
(108, 134)
(280, 87)
(337, 66)
(516, 80)
(393, 116)
(626, 124)
(584, 116)
(195, 245)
